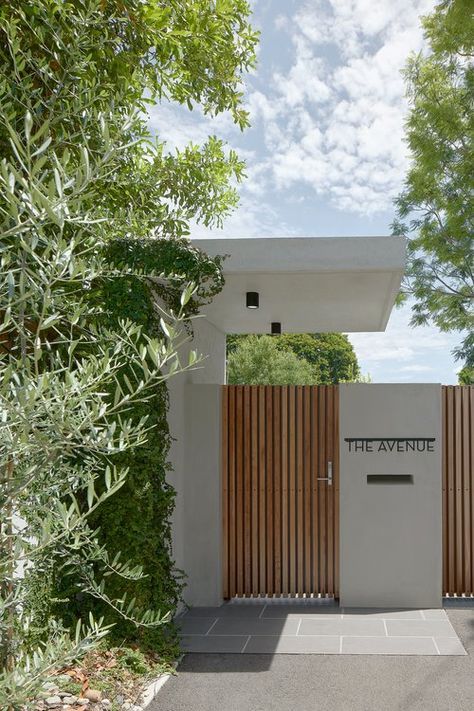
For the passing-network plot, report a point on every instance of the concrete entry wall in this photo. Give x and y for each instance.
(202, 496)
(391, 530)
(391, 533)
(195, 427)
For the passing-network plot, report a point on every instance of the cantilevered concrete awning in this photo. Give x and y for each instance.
(308, 284)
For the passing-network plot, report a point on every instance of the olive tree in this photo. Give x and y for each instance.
(79, 169)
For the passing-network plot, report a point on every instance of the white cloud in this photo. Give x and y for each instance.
(405, 353)
(416, 368)
(178, 126)
(303, 83)
(335, 122)
(332, 120)
(352, 24)
(398, 342)
(253, 218)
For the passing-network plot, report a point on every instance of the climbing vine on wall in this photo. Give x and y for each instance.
(135, 522)
(178, 263)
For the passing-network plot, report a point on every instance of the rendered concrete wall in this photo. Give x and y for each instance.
(175, 477)
(202, 495)
(185, 476)
(308, 284)
(390, 535)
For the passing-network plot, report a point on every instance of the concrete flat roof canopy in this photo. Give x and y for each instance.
(308, 284)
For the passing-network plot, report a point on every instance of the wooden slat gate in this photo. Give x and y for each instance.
(458, 489)
(281, 525)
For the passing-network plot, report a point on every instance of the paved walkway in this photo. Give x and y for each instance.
(316, 627)
(280, 682)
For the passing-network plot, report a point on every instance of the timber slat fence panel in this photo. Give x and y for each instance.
(281, 525)
(458, 489)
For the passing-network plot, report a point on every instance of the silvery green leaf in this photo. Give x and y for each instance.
(42, 148)
(28, 125)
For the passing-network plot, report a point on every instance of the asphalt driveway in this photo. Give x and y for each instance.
(280, 682)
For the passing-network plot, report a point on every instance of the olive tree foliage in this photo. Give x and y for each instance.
(78, 169)
(59, 428)
(435, 208)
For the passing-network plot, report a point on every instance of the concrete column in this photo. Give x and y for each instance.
(202, 525)
(390, 496)
(194, 419)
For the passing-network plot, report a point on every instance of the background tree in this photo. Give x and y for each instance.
(466, 375)
(257, 360)
(438, 196)
(330, 356)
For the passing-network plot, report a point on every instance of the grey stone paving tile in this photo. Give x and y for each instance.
(251, 610)
(293, 645)
(435, 615)
(450, 646)
(254, 626)
(195, 625)
(296, 611)
(315, 604)
(381, 613)
(388, 645)
(218, 645)
(355, 626)
(420, 628)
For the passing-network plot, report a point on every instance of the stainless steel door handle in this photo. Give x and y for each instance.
(327, 478)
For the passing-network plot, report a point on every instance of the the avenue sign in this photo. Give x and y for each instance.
(400, 445)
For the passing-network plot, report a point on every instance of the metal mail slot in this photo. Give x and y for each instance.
(389, 478)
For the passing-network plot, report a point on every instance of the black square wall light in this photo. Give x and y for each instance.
(276, 328)
(252, 300)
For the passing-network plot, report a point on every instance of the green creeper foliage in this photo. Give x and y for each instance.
(135, 522)
(175, 262)
(291, 359)
(435, 208)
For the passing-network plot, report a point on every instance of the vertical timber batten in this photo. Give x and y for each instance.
(458, 489)
(280, 523)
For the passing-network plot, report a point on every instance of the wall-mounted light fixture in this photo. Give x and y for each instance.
(252, 300)
(276, 328)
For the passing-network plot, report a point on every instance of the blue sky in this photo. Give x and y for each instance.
(325, 153)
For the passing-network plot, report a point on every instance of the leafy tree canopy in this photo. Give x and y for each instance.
(330, 357)
(435, 208)
(331, 354)
(124, 56)
(257, 360)
(466, 376)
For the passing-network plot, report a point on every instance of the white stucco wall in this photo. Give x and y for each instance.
(202, 495)
(390, 529)
(194, 456)
(308, 284)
